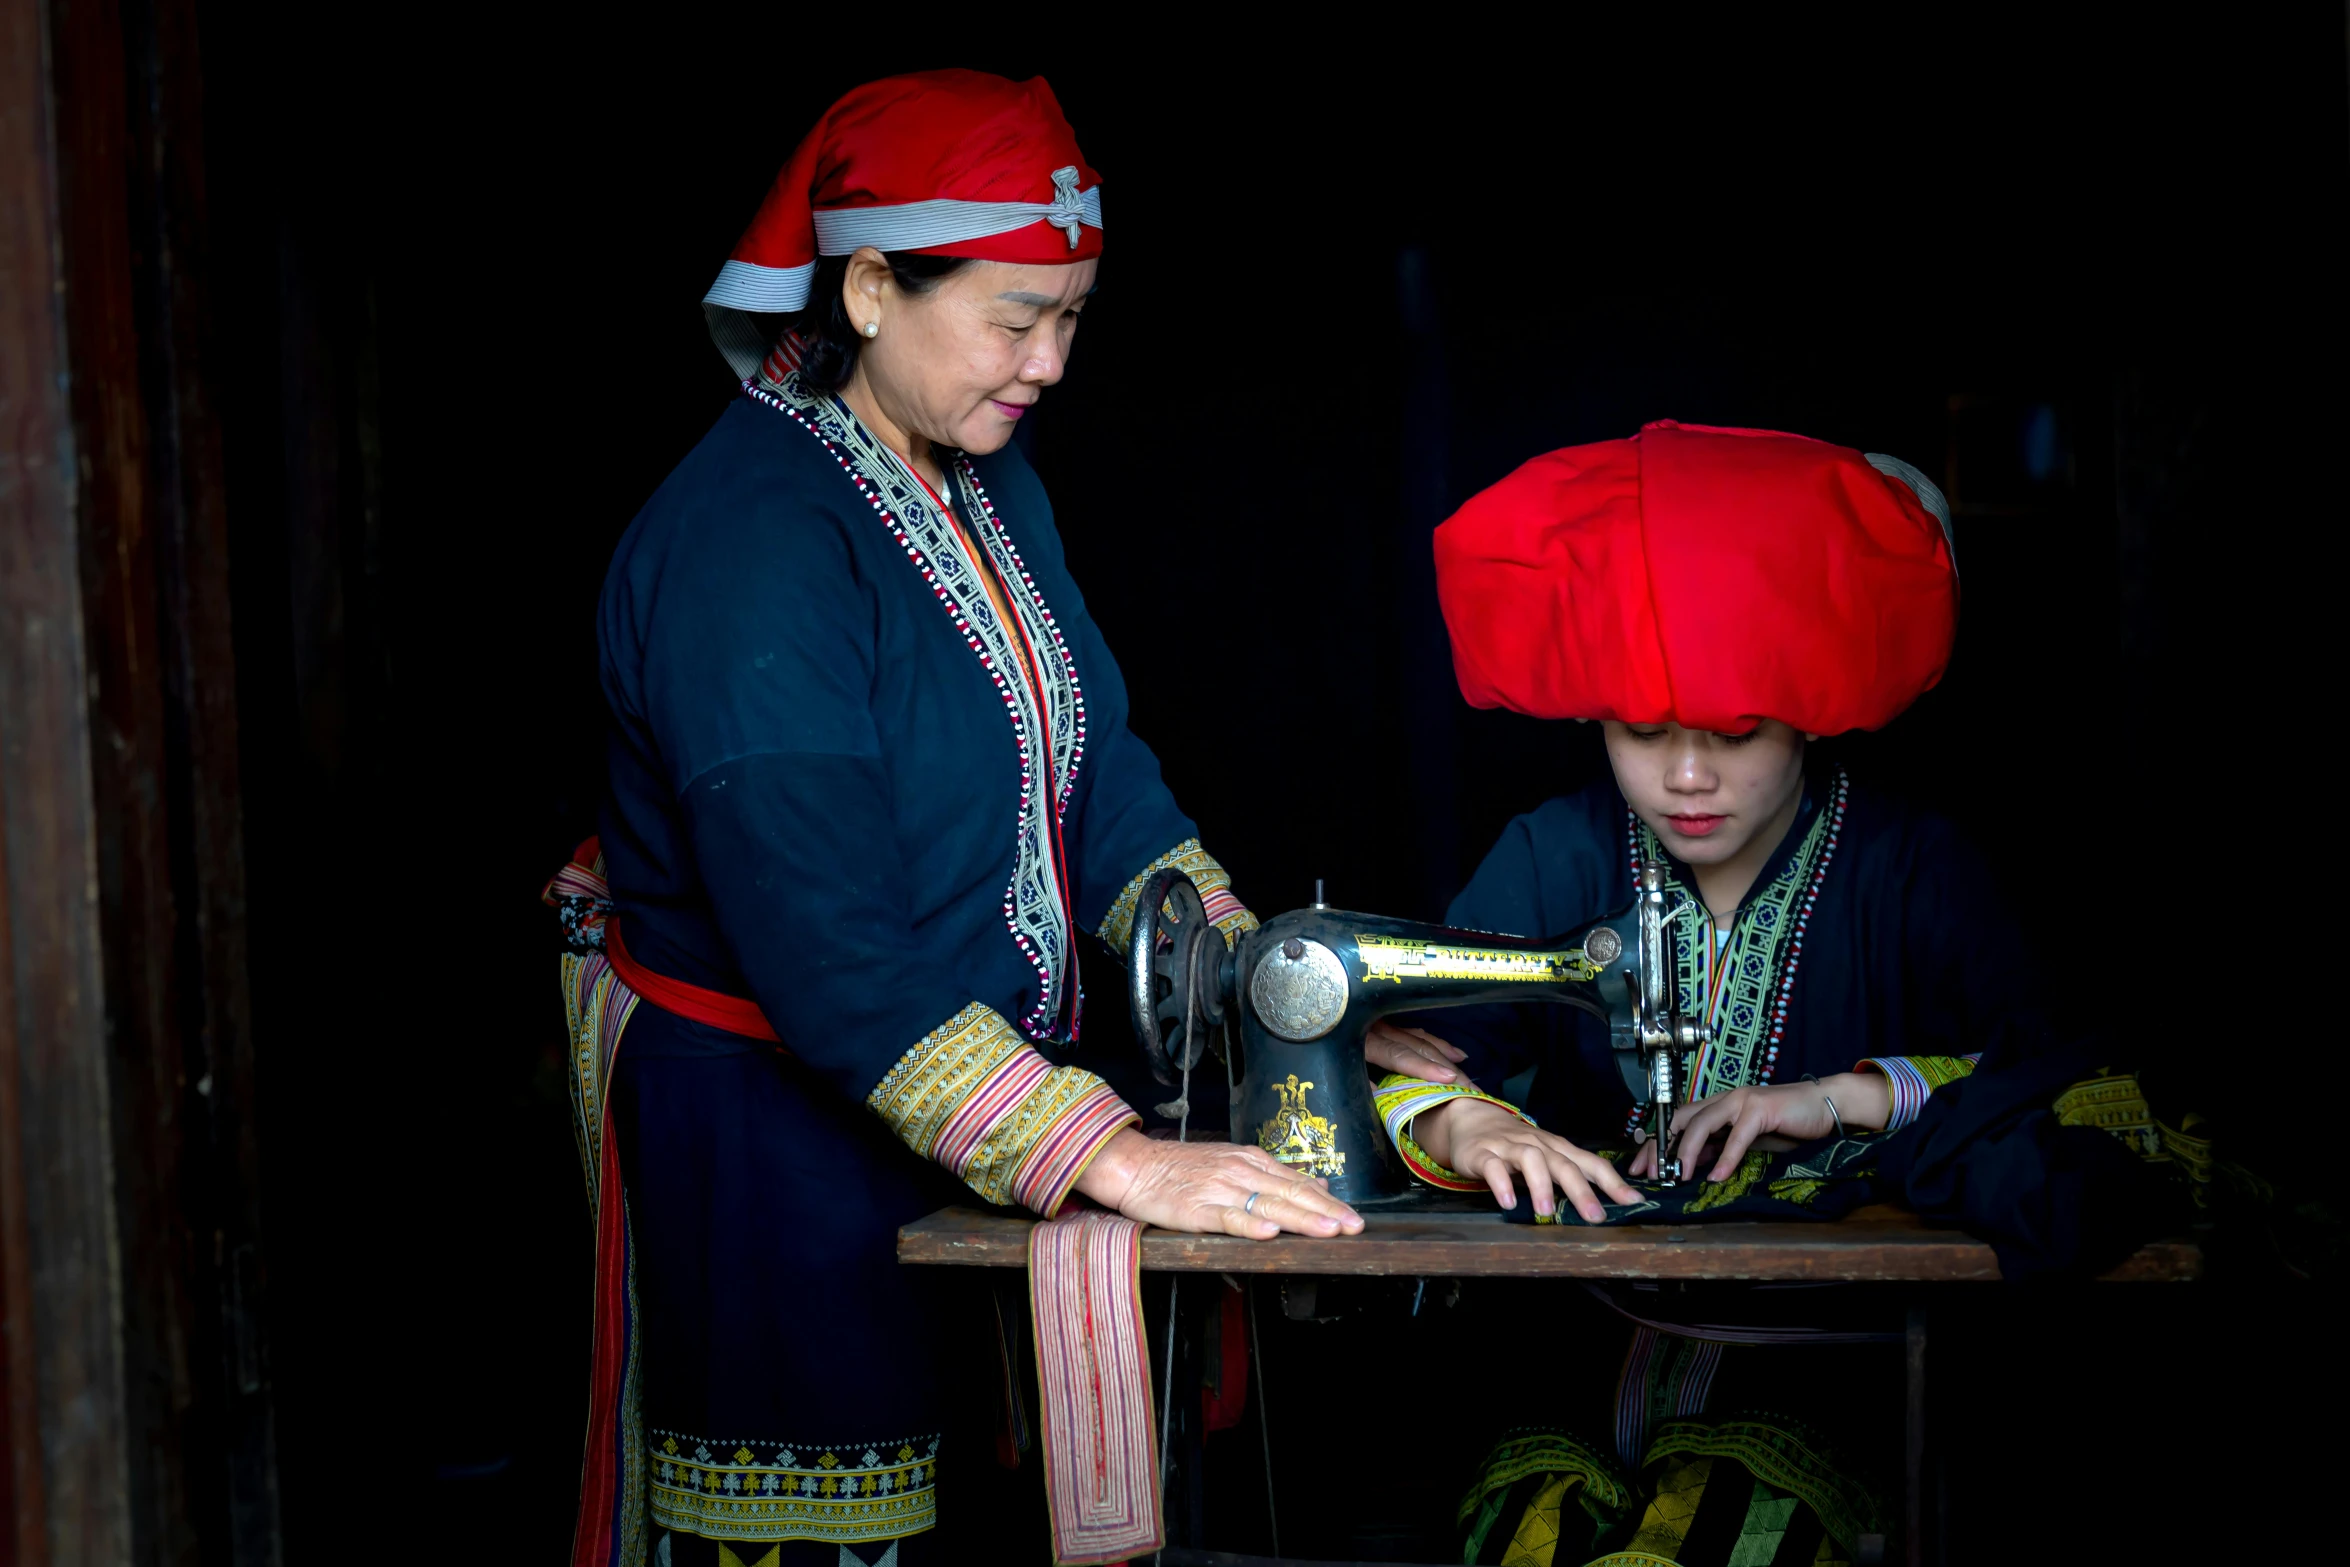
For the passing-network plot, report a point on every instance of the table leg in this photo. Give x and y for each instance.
(1918, 1511)
(1256, 1376)
(1170, 1393)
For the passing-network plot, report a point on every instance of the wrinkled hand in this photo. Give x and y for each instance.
(1204, 1188)
(1486, 1141)
(1412, 1051)
(1798, 1111)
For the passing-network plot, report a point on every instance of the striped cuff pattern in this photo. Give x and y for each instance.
(977, 1098)
(1400, 1099)
(1226, 912)
(1913, 1080)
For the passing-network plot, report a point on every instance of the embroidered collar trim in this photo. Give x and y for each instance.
(1744, 991)
(1037, 901)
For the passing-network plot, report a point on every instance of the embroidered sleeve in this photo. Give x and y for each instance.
(977, 1098)
(1400, 1099)
(1913, 1080)
(1226, 912)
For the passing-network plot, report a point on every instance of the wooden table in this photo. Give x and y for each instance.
(1462, 1238)
(1875, 1245)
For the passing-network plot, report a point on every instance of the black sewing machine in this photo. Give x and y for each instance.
(1291, 1002)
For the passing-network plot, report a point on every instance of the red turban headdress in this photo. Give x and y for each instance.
(1707, 577)
(949, 163)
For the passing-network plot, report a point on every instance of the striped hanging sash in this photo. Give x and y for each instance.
(1101, 1456)
(602, 985)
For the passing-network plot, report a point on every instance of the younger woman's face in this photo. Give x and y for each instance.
(1708, 796)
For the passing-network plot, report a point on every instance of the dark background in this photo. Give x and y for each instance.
(2091, 278)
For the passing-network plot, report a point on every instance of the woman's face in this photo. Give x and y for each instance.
(1708, 796)
(961, 364)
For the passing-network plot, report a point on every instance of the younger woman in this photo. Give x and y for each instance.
(1716, 599)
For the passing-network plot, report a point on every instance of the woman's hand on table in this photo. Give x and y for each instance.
(1204, 1189)
(1414, 1052)
(1792, 1110)
(1485, 1141)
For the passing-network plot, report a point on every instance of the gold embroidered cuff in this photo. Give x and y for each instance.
(1401, 1100)
(1913, 1079)
(977, 1098)
(1226, 912)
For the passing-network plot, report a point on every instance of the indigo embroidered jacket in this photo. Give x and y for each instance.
(1873, 941)
(870, 766)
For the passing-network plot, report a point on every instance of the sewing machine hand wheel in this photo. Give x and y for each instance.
(1176, 963)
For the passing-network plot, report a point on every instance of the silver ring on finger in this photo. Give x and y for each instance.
(1250, 1206)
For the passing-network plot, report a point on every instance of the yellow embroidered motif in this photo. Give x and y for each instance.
(1782, 1455)
(1800, 1192)
(1678, 1491)
(1715, 1194)
(727, 1558)
(1295, 1135)
(1537, 1538)
(2116, 1105)
(763, 1492)
(1939, 1071)
(1581, 1495)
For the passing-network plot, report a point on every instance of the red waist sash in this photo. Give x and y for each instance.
(734, 1014)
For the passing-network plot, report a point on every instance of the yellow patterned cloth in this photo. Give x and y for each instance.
(1720, 1194)
(2116, 1105)
(1576, 1496)
(1752, 1491)
(1224, 911)
(1672, 1506)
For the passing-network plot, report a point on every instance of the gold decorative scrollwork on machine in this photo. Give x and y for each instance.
(1395, 959)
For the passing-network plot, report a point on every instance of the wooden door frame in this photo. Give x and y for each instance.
(133, 1372)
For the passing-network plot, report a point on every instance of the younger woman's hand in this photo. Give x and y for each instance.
(1412, 1051)
(1797, 1111)
(1483, 1140)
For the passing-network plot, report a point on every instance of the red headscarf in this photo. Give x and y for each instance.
(1707, 577)
(949, 163)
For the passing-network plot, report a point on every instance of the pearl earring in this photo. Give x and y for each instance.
(872, 329)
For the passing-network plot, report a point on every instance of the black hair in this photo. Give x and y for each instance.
(832, 339)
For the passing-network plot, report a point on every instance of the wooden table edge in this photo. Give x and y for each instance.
(1865, 1249)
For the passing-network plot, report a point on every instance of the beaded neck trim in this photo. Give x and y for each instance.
(1744, 993)
(1037, 909)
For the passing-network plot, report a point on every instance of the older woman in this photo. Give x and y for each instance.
(869, 776)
